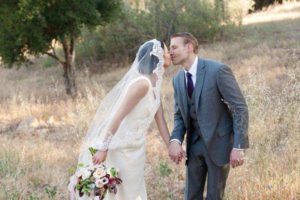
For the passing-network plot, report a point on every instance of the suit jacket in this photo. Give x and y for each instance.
(221, 110)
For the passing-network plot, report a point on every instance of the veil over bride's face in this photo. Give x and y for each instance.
(148, 57)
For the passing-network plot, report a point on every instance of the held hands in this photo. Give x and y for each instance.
(237, 157)
(176, 152)
(99, 157)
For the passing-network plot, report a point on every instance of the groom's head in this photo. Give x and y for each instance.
(182, 46)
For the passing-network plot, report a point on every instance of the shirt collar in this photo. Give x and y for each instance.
(193, 69)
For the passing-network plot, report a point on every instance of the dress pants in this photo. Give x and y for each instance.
(200, 167)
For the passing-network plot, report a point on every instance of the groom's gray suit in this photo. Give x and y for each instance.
(215, 119)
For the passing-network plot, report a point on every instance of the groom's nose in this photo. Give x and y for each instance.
(171, 54)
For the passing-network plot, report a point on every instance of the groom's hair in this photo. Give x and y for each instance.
(188, 38)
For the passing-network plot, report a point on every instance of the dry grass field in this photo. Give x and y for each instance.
(41, 129)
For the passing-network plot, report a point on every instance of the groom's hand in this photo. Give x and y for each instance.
(237, 157)
(176, 152)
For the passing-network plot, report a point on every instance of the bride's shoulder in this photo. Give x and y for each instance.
(141, 80)
(140, 84)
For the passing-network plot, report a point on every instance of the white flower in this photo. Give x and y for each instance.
(100, 166)
(79, 173)
(86, 174)
(100, 172)
(92, 167)
(83, 173)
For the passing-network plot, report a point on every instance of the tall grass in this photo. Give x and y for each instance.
(37, 164)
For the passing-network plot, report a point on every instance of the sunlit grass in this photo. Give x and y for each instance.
(37, 164)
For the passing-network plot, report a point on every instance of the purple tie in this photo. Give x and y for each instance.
(190, 85)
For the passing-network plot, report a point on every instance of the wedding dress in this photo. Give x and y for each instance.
(126, 147)
(130, 158)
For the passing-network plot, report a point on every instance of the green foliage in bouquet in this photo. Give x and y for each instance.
(85, 186)
(80, 165)
(92, 151)
(113, 172)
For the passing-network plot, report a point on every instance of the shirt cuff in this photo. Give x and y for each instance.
(175, 140)
(238, 149)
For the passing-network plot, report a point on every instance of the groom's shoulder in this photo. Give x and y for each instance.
(213, 65)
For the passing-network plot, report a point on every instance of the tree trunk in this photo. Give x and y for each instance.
(70, 79)
(69, 68)
(67, 64)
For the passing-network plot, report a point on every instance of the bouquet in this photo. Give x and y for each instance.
(96, 180)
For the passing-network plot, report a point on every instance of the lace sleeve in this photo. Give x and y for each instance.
(103, 144)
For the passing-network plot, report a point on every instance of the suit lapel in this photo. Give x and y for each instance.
(183, 93)
(199, 81)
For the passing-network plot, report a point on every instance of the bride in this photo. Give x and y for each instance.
(121, 122)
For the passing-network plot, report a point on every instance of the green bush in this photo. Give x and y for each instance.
(259, 4)
(159, 19)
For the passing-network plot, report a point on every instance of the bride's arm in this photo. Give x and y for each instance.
(134, 94)
(162, 125)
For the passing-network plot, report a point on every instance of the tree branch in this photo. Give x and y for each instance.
(54, 56)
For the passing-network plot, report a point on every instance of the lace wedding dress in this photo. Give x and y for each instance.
(129, 157)
(126, 146)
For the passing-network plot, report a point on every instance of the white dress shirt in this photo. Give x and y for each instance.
(193, 71)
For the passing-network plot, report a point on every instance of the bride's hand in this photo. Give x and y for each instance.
(99, 157)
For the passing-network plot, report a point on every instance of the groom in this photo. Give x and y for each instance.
(211, 111)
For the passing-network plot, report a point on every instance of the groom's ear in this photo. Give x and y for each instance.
(190, 47)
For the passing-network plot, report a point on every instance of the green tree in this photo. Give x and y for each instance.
(34, 27)
(220, 9)
(260, 4)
